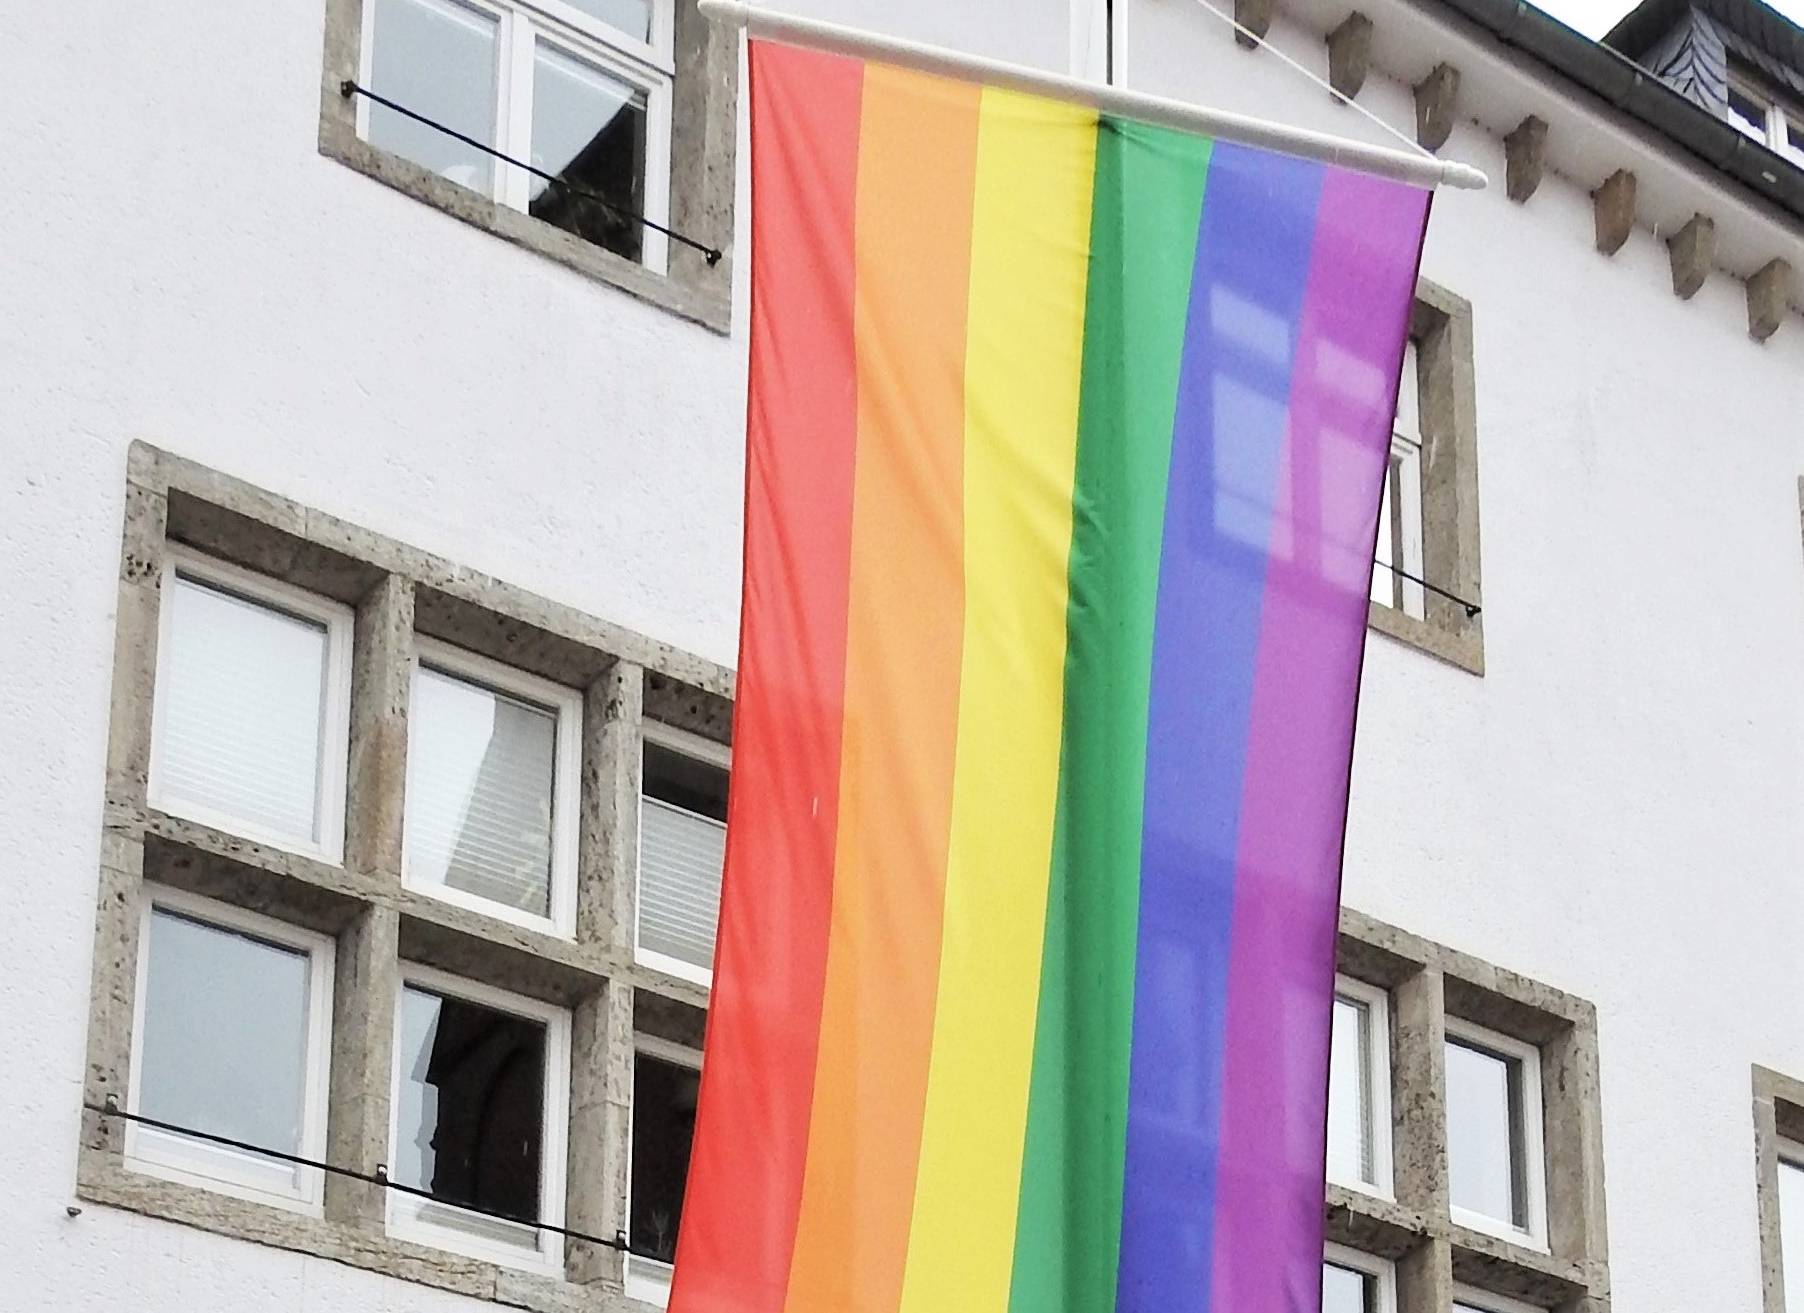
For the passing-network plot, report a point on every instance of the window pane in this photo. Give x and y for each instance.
(1350, 1094)
(481, 778)
(225, 1033)
(588, 129)
(1747, 113)
(1408, 422)
(1794, 135)
(1347, 1291)
(682, 846)
(630, 16)
(1485, 1138)
(471, 1105)
(1791, 1234)
(1384, 579)
(664, 1097)
(243, 709)
(437, 58)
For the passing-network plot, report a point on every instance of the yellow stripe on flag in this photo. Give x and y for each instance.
(1024, 348)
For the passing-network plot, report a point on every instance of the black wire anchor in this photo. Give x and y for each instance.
(711, 254)
(1471, 608)
(380, 1176)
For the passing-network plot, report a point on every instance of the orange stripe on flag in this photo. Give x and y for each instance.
(917, 164)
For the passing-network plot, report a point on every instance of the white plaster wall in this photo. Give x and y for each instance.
(1611, 808)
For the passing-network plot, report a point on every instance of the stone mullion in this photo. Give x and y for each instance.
(613, 717)
(1419, 1098)
(1425, 1277)
(602, 1054)
(366, 979)
(382, 652)
(600, 1132)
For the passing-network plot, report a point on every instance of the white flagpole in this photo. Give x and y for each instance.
(1419, 170)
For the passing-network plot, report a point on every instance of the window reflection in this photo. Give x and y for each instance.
(589, 131)
(471, 1105)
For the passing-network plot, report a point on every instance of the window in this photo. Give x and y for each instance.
(1400, 513)
(480, 1096)
(1353, 1282)
(1428, 514)
(230, 1037)
(252, 707)
(1359, 1095)
(1494, 1133)
(581, 89)
(1791, 1222)
(666, 1083)
(682, 844)
(493, 763)
(1764, 114)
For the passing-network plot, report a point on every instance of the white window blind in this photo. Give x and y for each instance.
(680, 858)
(244, 714)
(481, 778)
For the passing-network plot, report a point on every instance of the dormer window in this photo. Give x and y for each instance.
(1766, 115)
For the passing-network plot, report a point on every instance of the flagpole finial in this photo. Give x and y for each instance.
(1456, 173)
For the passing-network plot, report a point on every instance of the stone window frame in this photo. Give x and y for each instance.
(704, 130)
(1778, 1120)
(1434, 1254)
(1441, 327)
(377, 924)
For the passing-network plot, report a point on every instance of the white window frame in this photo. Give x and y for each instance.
(154, 1152)
(335, 727)
(1790, 1153)
(649, 66)
(1781, 117)
(566, 704)
(647, 1279)
(1381, 1270)
(1377, 1004)
(408, 1216)
(1400, 528)
(1486, 1302)
(1097, 31)
(698, 748)
(1534, 1137)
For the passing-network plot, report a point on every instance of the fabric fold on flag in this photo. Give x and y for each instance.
(1066, 439)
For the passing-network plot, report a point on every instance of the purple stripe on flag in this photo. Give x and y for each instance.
(1268, 1199)
(1253, 245)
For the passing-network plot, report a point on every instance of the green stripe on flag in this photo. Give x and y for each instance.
(1147, 209)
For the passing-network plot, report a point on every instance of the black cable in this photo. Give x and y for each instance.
(711, 254)
(379, 1177)
(1472, 608)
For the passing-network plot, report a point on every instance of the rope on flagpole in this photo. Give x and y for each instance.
(1409, 143)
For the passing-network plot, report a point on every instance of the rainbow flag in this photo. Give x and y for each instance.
(1066, 441)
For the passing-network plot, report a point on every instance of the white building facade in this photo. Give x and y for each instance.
(371, 514)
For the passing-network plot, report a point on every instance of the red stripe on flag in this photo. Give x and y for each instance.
(751, 1143)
